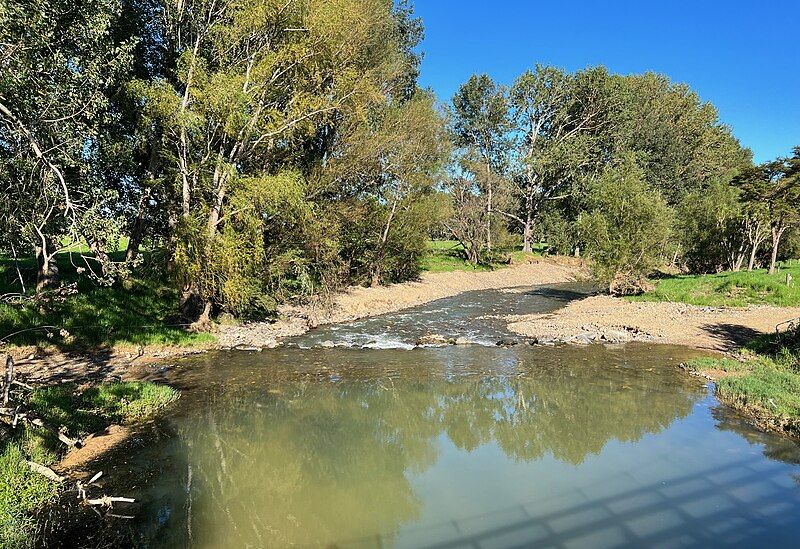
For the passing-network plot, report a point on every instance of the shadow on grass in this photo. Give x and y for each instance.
(138, 312)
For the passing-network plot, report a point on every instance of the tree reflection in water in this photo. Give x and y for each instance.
(280, 456)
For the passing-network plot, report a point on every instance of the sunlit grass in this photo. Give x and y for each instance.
(766, 385)
(138, 312)
(448, 256)
(730, 289)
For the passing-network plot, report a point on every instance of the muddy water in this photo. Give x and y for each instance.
(475, 446)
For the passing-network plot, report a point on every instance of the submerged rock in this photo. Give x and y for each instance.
(435, 339)
(507, 342)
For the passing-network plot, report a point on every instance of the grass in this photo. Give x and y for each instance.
(446, 256)
(730, 289)
(138, 312)
(766, 385)
(22, 492)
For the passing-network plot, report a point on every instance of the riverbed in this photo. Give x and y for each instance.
(359, 435)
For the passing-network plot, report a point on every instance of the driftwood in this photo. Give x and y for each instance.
(45, 471)
(8, 379)
(109, 501)
(18, 416)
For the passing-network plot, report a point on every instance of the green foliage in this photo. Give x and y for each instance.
(558, 232)
(730, 289)
(628, 227)
(710, 227)
(480, 118)
(54, 87)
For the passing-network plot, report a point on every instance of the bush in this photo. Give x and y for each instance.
(627, 229)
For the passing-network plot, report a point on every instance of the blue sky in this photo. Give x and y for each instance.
(744, 57)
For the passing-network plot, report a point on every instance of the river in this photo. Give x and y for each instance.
(353, 436)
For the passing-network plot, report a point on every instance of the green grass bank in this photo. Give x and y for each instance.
(764, 384)
(730, 289)
(25, 494)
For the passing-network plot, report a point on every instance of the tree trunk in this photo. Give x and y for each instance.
(137, 230)
(527, 236)
(777, 233)
(489, 208)
(376, 273)
(751, 264)
(47, 273)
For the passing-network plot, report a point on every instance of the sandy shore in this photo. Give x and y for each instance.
(604, 318)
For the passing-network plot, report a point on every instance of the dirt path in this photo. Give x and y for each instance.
(604, 318)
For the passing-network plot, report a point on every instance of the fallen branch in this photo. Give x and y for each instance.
(37, 422)
(45, 471)
(109, 501)
(8, 379)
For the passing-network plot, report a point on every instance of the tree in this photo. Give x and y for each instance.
(466, 221)
(776, 186)
(627, 229)
(59, 62)
(396, 157)
(553, 120)
(712, 224)
(480, 120)
(254, 82)
(679, 141)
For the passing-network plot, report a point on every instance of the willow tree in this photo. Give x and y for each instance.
(396, 157)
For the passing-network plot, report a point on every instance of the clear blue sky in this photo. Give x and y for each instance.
(744, 57)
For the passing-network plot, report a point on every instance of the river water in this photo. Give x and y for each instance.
(350, 438)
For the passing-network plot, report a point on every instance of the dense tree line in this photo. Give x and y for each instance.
(635, 170)
(261, 147)
(256, 150)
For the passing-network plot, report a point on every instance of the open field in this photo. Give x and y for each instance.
(448, 256)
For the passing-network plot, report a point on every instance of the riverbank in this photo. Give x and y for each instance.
(605, 318)
(762, 382)
(47, 435)
(127, 362)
